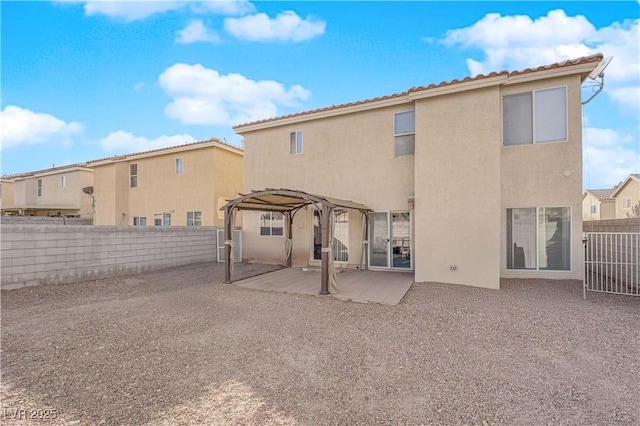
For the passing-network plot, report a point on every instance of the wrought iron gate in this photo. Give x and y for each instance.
(612, 262)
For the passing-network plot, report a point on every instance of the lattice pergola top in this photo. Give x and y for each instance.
(283, 200)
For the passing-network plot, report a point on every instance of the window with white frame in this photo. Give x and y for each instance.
(166, 219)
(63, 181)
(594, 209)
(539, 238)
(157, 219)
(179, 165)
(271, 223)
(39, 187)
(194, 218)
(295, 142)
(535, 117)
(404, 132)
(626, 203)
(139, 221)
(133, 175)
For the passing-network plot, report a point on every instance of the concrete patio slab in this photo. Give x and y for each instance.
(358, 286)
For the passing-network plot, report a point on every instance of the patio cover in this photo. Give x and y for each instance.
(289, 202)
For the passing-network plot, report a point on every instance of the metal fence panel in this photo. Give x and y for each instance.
(612, 262)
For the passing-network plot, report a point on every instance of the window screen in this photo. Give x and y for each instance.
(551, 115)
(517, 119)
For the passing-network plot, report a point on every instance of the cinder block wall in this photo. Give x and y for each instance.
(57, 254)
(612, 225)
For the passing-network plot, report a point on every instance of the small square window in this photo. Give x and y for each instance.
(594, 209)
(626, 203)
(271, 223)
(194, 218)
(139, 221)
(295, 142)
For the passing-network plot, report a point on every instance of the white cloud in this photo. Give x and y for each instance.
(196, 32)
(125, 142)
(141, 85)
(19, 126)
(517, 42)
(608, 158)
(225, 7)
(287, 26)
(130, 10)
(204, 96)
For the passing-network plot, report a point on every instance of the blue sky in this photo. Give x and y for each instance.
(86, 80)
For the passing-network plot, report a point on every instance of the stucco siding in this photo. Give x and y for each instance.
(457, 174)
(632, 191)
(349, 157)
(546, 175)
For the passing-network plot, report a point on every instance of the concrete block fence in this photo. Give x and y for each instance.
(58, 254)
(612, 225)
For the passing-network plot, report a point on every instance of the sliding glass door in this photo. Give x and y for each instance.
(390, 240)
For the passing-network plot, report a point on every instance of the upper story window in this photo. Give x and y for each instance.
(594, 209)
(63, 181)
(295, 142)
(626, 203)
(404, 132)
(535, 117)
(271, 223)
(179, 165)
(39, 187)
(133, 175)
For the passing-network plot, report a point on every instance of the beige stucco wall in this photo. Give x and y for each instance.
(161, 190)
(348, 157)
(631, 190)
(7, 193)
(604, 209)
(546, 175)
(457, 214)
(68, 199)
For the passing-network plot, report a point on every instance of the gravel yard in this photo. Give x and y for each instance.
(180, 347)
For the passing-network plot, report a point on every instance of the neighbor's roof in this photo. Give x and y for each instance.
(601, 194)
(412, 92)
(51, 170)
(633, 176)
(213, 142)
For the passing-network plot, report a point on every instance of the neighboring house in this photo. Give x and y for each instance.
(51, 192)
(627, 197)
(598, 204)
(178, 186)
(468, 181)
(7, 192)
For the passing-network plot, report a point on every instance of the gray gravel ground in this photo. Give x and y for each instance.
(179, 347)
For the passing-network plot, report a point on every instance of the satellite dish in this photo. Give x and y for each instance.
(600, 68)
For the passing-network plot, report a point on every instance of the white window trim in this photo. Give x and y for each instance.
(537, 269)
(133, 220)
(395, 135)
(179, 165)
(132, 175)
(533, 116)
(626, 200)
(193, 214)
(296, 133)
(39, 187)
(63, 181)
(260, 213)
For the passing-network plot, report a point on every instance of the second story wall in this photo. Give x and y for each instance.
(7, 193)
(627, 199)
(349, 156)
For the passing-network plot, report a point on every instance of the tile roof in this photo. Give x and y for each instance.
(87, 164)
(37, 172)
(602, 194)
(568, 63)
(123, 156)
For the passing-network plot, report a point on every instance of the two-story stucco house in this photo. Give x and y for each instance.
(177, 186)
(627, 197)
(51, 192)
(467, 181)
(598, 204)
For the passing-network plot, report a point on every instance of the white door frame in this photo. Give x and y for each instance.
(390, 266)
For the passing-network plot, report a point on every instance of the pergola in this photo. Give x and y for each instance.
(289, 202)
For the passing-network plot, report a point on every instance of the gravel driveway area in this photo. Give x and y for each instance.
(181, 347)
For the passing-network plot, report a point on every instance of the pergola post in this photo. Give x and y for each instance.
(289, 218)
(325, 223)
(228, 235)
